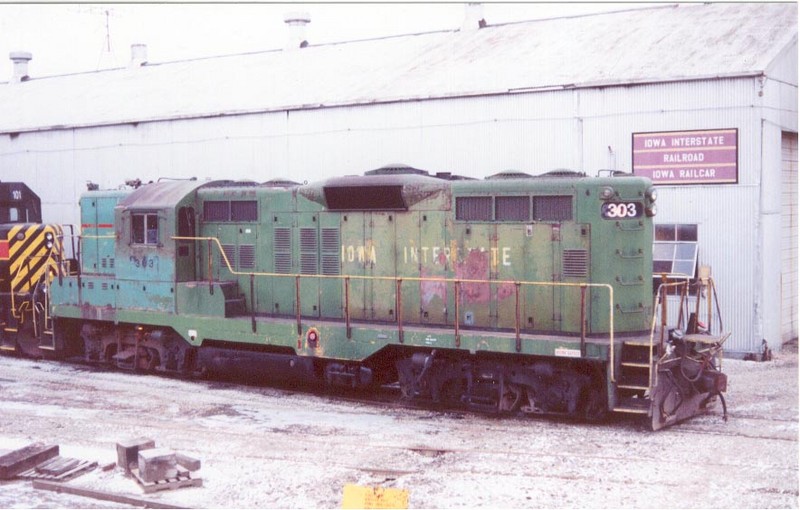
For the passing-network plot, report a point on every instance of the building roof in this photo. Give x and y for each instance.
(657, 44)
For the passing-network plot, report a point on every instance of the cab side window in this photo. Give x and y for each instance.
(144, 228)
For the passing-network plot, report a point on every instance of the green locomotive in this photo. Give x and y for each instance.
(512, 294)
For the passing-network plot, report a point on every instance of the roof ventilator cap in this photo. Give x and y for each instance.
(20, 60)
(473, 17)
(296, 21)
(138, 55)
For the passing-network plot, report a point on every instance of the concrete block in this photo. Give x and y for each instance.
(188, 463)
(157, 464)
(128, 452)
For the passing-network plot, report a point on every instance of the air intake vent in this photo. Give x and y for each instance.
(282, 250)
(308, 263)
(230, 253)
(365, 198)
(330, 240)
(308, 239)
(283, 263)
(330, 252)
(575, 264)
(330, 264)
(247, 256)
(283, 239)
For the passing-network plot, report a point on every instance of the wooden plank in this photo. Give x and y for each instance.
(59, 469)
(57, 466)
(11, 464)
(101, 495)
(184, 479)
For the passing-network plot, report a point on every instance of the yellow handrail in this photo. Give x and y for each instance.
(661, 299)
(426, 279)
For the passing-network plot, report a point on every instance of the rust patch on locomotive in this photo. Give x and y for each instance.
(474, 267)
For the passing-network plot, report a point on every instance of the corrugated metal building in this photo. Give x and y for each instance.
(602, 91)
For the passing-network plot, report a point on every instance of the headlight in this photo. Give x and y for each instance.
(607, 192)
(651, 210)
(652, 193)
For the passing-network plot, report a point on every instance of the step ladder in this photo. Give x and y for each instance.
(8, 340)
(8, 334)
(635, 381)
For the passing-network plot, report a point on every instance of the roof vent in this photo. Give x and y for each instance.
(296, 21)
(509, 174)
(396, 169)
(473, 17)
(138, 55)
(20, 60)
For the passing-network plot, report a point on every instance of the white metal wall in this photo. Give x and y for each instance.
(727, 215)
(789, 300)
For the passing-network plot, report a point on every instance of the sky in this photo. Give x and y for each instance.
(79, 37)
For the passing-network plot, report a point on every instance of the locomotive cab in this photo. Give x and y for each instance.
(155, 245)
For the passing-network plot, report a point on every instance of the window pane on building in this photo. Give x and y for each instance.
(675, 249)
(663, 251)
(686, 232)
(665, 233)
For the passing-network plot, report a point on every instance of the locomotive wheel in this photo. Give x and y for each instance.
(511, 399)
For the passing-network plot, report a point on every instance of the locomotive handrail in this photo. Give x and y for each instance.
(661, 298)
(397, 279)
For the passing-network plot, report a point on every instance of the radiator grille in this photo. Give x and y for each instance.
(282, 250)
(330, 252)
(283, 263)
(230, 253)
(247, 256)
(308, 263)
(330, 240)
(308, 239)
(575, 263)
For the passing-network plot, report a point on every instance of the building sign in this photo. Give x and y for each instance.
(687, 157)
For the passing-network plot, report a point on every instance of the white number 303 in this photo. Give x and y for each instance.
(620, 210)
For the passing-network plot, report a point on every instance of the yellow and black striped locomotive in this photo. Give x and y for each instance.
(31, 255)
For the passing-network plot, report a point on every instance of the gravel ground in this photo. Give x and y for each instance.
(277, 448)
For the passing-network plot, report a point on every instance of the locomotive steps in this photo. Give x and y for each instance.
(635, 379)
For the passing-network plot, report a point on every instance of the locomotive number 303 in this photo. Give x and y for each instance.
(617, 210)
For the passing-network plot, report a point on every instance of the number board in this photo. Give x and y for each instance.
(621, 210)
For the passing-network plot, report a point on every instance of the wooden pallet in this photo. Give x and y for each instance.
(183, 479)
(58, 469)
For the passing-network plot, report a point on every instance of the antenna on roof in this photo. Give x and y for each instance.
(107, 55)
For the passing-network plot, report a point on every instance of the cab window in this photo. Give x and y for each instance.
(144, 228)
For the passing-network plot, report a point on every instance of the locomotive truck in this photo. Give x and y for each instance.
(511, 294)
